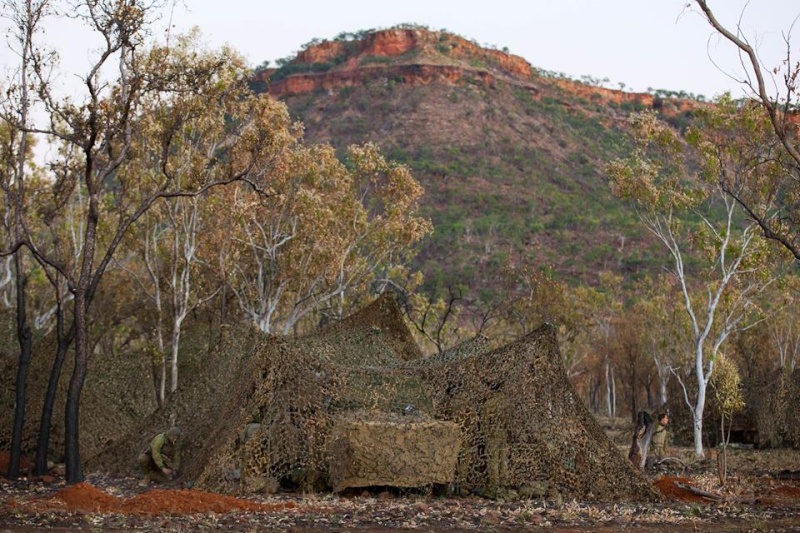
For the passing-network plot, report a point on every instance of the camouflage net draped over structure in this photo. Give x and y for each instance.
(524, 426)
(356, 405)
(202, 400)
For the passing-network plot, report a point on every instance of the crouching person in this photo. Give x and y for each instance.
(162, 459)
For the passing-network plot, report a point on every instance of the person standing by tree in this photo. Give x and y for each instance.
(660, 440)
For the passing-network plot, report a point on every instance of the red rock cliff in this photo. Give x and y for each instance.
(417, 57)
(420, 57)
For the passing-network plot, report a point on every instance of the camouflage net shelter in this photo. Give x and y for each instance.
(773, 408)
(356, 405)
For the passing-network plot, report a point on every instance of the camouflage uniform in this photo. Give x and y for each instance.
(162, 452)
(659, 441)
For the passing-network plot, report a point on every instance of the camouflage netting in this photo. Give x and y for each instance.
(374, 449)
(524, 426)
(326, 410)
(118, 393)
(197, 406)
(356, 405)
(772, 405)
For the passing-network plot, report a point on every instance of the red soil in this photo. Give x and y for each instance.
(86, 498)
(666, 486)
(786, 491)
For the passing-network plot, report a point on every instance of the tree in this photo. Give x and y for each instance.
(135, 102)
(15, 154)
(631, 358)
(327, 232)
(667, 332)
(730, 400)
(168, 245)
(436, 319)
(598, 309)
(716, 259)
(782, 308)
(770, 192)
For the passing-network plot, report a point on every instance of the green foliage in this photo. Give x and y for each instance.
(683, 95)
(380, 60)
(287, 68)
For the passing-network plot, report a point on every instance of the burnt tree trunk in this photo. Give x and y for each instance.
(72, 455)
(25, 346)
(43, 440)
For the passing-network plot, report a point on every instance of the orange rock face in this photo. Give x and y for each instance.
(321, 53)
(437, 57)
(390, 43)
(606, 95)
(353, 70)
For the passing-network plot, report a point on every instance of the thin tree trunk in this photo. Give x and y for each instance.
(27, 26)
(609, 409)
(175, 343)
(613, 395)
(43, 442)
(634, 402)
(697, 426)
(162, 385)
(72, 454)
(24, 339)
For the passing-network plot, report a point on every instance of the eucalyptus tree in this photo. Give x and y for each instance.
(782, 307)
(598, 309)
(325, 233)
(134, 101)
(15, 157)
(167, 243)
(667, 332)
(716, 255)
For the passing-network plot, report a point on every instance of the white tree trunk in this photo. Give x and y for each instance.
(609, 392)
(697, 417)
(173, 360)
(663, 380)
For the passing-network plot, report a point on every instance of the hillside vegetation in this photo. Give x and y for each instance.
(511, 159)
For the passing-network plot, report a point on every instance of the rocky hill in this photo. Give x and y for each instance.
(511, 158)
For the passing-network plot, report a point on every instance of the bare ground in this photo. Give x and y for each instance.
(761, 494)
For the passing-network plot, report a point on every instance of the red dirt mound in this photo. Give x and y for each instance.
(86, 498)
(667, 486)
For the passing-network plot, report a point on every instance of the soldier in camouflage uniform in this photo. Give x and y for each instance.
(659, 441)
(162, 459)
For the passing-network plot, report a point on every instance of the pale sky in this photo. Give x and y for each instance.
(641, 43)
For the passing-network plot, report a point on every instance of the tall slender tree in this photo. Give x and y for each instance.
(15, 155)
(717, 260)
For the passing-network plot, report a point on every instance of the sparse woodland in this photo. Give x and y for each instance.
(173, 195)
